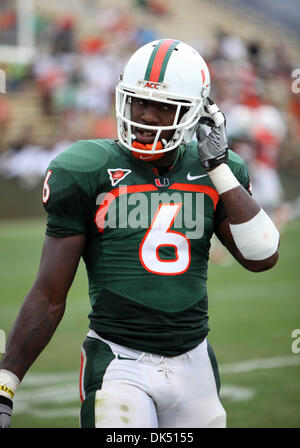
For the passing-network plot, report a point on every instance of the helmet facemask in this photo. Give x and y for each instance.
(183, 125)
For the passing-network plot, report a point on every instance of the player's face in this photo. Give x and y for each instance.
(152, 113)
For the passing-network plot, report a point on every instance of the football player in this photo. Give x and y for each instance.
(141, 212)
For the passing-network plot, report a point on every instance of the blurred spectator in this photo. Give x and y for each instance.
(63, 40)
(294, 115)
(17, 76)
(255, 118)
(104, 128)
(22, 159)
(26, 160)
(265, 182)
(91, 45)
(144, 35)
(5, 119)
(230, 47)
(7, 24)
(158, 7)
(49, 75)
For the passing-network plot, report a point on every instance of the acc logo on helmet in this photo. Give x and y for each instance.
(152, 85)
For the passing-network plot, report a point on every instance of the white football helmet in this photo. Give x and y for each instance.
(167, 71)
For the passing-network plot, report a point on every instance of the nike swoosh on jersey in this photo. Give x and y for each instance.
(190, 177)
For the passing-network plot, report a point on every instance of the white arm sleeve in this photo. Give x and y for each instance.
(256, 239)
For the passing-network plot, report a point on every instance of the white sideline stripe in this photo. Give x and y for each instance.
(236, 393)
(40, 379)
(260, 364)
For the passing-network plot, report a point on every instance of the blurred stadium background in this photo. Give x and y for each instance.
(61, 61)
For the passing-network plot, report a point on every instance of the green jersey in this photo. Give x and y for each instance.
(147, 240)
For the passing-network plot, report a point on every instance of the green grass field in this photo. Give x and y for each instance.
(252, 317)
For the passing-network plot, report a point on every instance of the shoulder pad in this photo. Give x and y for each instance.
(85, 156)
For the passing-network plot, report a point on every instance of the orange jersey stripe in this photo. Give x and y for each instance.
(211, 192)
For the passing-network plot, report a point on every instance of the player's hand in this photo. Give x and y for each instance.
(6, 406)
(213, 145)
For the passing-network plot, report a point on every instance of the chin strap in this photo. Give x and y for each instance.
(147, 147)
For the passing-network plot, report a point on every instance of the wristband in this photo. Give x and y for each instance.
(223, 178)
(9, 383)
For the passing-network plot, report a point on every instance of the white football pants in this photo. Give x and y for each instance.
(141, 390)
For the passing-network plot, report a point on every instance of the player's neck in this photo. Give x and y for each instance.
(166, 161)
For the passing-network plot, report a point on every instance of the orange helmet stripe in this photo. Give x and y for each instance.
(159, 59)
